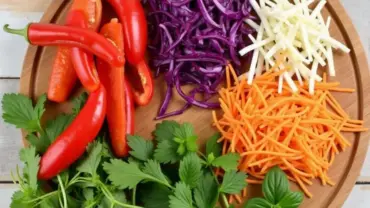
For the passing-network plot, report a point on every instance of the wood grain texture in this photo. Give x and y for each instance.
(352, 72)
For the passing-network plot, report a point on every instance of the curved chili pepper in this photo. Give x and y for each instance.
(130, 108)
(63, 76)
(57, 35)
(112, 79)
(84, 62)
(135, 32)
(142, 83)
(71, 144)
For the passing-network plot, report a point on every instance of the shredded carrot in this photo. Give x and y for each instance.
(299, 132)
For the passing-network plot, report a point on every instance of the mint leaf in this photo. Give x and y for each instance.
(91, 162)
(19, 111)
(190, 169)
(182, 197)
(212, 146)
(291, 200)
(275, 185)
(156, 196)
(165, 130)
(233, 182)
(206, 192)
(31, 166)
(141, 148)
(166, 152)
(79, 102)
(227, 162)
(258, 203)
(154, 169)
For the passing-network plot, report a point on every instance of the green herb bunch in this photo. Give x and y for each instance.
(167, 172)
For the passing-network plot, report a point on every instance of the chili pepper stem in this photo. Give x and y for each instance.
(22, 32)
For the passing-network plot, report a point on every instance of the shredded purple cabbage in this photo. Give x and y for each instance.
(192, 41)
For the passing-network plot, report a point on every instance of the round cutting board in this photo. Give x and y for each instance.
(352, 70)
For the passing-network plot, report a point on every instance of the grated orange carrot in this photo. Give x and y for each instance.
(299, 132)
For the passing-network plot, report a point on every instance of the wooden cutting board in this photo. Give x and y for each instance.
(352, 70)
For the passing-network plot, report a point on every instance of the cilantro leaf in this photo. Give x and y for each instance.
(275, 185)
(233, 182)
(291, 200)
(19, 111)
(206, 192)
(186, 130)
(153, 168)
(91, 162)
(51, 201)
(212, 146)
(79, 102)
(88, 194)
(118, 169)
(258, 203)
(182, 197)
(227, 162)
(41, 144)
(52, 130)
(166, 152)
(31, 166)
(120, 196)
(141, 148)
(190, 169)
(156, 196)
(18, 200)
(165, 130)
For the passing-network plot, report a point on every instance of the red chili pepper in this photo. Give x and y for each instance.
(71, 144)
(112, 79)
(142, 83)
(130, 108)
(135, 32)
(63, 77)
(83, 62)
(57, 35)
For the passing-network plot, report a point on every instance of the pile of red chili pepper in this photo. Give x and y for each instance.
(79, 41)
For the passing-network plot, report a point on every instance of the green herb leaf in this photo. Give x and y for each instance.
(291, 200)
(88, 193)
(31, 166)
(156, 196)
(186, 134)
(154, 169)
(258, 203)
(212, 146)
(206, 192)
(118, 169)
(165, 130)
(191, 144)
(18, 200)
(51, 201)
(41, 144)
(19, 111)
(141, 148)
(190, 169)
(233, 182)
(91, 162)
(182, 197)
(120, 196)
(55, 127)
(275, 185)
(166, 152)
(79, 102)
(227, 162)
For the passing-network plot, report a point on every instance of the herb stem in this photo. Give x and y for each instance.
(224, 200)
(42, 197)
(134, 196)
(63, 191)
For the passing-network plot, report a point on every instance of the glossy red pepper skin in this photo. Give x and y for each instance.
(113, 79)
(83, 62)
(142, 83)
(57, 35)
(130, 108)
(63, 77)
(132, 16)
(72, 143)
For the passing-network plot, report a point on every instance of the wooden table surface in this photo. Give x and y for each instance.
(12, 51)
